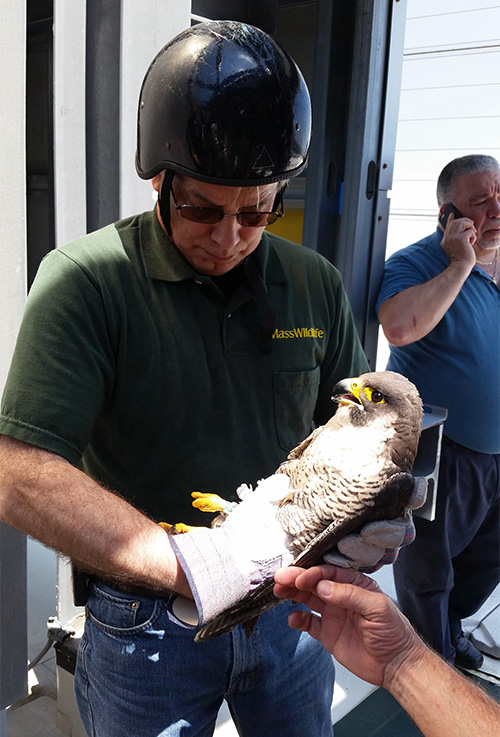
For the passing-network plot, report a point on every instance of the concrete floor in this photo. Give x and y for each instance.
(37, 715)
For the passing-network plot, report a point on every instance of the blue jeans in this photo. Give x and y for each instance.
(140, 674)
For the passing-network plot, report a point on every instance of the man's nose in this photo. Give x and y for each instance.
(494, 209)
(226, 232)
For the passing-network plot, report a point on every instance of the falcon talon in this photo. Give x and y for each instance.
(180, 529)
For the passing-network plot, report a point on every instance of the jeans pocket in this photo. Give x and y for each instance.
(117, 612)
(295, 397)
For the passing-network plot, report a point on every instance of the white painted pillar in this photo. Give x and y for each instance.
(70, 194)
(69, 120)
(146, 28)
(13, 635)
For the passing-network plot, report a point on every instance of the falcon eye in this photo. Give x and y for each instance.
(374, 396)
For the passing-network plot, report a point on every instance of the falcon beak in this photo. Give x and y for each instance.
(346, 393)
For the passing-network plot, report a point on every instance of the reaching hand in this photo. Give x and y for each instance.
(359, 624)
(367, 634)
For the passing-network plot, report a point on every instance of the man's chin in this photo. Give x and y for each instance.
(217, 268)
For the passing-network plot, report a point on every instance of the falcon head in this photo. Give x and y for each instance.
(384, 399)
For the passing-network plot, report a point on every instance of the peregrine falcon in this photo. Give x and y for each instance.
(354, 469)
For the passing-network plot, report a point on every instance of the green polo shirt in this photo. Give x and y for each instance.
(142, 372)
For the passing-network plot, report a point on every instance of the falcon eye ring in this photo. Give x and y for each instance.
(374, 396)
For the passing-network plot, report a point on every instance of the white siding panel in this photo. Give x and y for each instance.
(420, 165)
(417, 166)
(471, 134)
(446, 28)
(413, 197)
(451, 69)
(404, 230)
(481, 100)
(422, 8)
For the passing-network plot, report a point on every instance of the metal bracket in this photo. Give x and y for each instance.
(429, 455)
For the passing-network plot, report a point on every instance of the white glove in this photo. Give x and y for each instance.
(378, 543)
(224, 564)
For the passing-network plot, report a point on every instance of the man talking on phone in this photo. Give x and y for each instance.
(439, 307)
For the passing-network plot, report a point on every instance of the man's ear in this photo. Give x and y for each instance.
(157, 181)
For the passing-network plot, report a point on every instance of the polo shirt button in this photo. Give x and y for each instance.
(198, 281)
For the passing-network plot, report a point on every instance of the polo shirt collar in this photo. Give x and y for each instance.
(161, 259)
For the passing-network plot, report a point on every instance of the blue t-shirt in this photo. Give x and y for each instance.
(457, 364)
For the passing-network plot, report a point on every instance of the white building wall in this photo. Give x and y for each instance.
(449, 107)
(450, 104)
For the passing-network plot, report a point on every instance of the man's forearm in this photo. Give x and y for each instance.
(441, 701)
(414, 312)
(46, 497)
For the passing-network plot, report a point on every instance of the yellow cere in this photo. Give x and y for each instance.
(355, 389)
(372, 394)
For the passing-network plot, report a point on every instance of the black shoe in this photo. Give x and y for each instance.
(467, 655)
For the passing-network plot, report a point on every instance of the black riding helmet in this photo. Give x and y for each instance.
(223, 103)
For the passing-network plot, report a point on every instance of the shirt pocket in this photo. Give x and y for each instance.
(295, 397)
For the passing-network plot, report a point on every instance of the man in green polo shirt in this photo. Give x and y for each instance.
(184, 349)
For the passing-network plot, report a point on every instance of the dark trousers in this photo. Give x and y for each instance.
(453, 565)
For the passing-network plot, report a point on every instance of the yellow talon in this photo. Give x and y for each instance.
(208, 502)
(178, 529)
(203, 502)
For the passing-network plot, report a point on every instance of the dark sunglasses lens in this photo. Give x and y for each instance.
(256, 219)
(201, 214)
(210, 216)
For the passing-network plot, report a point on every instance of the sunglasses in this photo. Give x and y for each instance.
(212, 215)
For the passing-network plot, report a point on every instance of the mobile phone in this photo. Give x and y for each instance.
(450, 208)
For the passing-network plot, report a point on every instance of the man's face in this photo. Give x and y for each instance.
(477, 196)
(215, 249)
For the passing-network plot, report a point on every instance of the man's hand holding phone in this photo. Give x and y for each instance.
(459, 235)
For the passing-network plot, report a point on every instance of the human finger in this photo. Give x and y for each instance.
(305, 622)
(368, 601)
(287, 575)
(308, 579)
